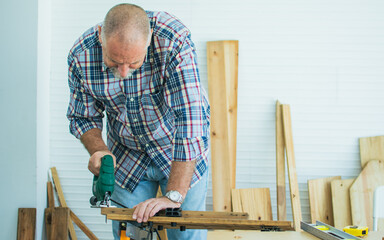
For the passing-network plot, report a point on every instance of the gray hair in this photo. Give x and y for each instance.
(128, 22)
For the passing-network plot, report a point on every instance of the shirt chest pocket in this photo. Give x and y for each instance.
(158, 116)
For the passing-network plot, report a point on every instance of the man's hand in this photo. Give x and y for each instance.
(150, 207)
(95, 161)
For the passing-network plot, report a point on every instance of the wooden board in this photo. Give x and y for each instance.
(280, 166)
(59, 217)
(162, 233)
(371, 148)
(51, 198)
(288, 235)
(361, 193)
(320, 199)
(197, 222)
(62, 201)
(254, 201)
(341, 203)
(236, 201)
(222, 63)
(292, 174)
(26, 224)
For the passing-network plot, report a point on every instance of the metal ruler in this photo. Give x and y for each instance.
(325, 231)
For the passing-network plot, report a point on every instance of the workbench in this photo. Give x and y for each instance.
(287, 235)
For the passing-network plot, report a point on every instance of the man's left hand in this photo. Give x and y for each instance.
(150, 207)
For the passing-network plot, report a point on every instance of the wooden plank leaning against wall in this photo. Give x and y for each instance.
(222, 60)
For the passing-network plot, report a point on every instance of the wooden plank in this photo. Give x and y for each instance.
(361, 193)
(187, 214)
(62, 201)
(59, 223)
(341, 202)
(280, 166)
(48, 222)
(236, 201)
(292, 174)
(320, 199)
(222, 59)
(26, 224)
(257, 203)
(198, 222)
(371, 148)
(51, 198)
(82, 226)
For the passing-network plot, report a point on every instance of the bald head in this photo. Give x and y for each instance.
(127, 23)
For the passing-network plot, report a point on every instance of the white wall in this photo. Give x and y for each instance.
(324, 58)
(18, 48)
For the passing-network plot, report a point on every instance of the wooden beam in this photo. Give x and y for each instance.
(82, 226)
(118, 214)
(51, 198)
(222, 61)
(280, 166)
(26, 224)
(62, 201)
(292, 174)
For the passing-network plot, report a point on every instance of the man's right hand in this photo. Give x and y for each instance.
(95, 161)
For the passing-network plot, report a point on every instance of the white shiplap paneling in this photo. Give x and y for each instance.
(324, 58)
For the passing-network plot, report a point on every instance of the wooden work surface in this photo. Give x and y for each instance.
(252, 235)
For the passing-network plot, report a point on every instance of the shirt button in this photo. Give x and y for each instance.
(140, 136)
(147, 145)
(135, 120)
(132, 99)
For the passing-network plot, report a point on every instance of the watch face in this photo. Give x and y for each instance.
(174, 196)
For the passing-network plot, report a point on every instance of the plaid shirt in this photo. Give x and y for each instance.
(160, 113)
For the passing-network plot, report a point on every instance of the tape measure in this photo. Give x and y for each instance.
(356, 231)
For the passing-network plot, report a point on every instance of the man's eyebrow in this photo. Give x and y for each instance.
(119, 62)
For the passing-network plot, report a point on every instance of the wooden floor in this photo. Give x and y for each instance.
(252, 235)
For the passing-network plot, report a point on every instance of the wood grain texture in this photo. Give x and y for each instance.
(256, 202)
(26, 224)
(292, 173)
(222, 59)
(280, 166)
(341, 202)
(59, 223)
(51, 198)
(63, 203)
(320, 199)
(197, 222)
(361, 193)
(371, 148)
(236, 201)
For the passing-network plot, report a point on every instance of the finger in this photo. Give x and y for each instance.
(141, 211)
(151, 205)
(156, 209)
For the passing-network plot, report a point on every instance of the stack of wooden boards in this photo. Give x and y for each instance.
(346, 202)
(222, 61)
(58, 220)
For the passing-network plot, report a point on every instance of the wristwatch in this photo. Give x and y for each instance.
(174, 196)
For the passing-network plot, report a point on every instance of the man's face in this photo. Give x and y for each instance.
(123, 59)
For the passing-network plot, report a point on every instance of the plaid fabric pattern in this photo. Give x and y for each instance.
(160, 113)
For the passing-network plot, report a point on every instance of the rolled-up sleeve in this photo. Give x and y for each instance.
(84, 111)
(183, 94)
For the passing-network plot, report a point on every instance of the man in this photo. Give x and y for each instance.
(140, 68)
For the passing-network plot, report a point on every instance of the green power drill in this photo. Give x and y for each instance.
(103, 185)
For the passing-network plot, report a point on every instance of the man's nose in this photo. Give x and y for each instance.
(123, 69)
